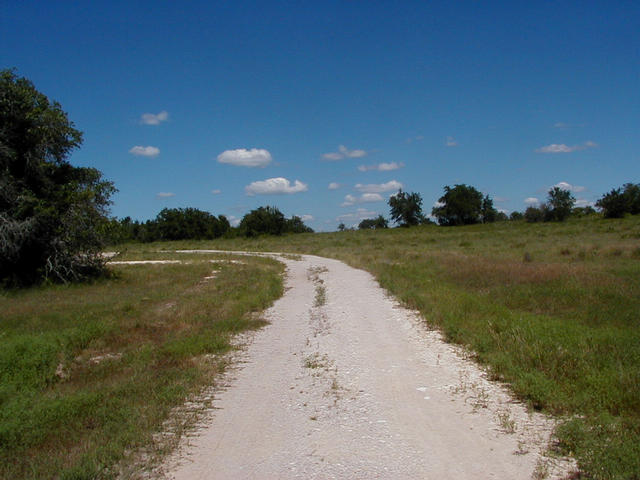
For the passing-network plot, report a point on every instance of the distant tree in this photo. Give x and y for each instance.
(263, 220)
(533, 214)
(620, 201)
(502, 217)
(342, 227)
(515, 216)
(560, 203)
(613, 204)
(53, 216)
(632, 196)
(189, 223)
(406, 208)
(582, 211)
(373, 223)
(488, 213)
(463, 205)
(296, 225)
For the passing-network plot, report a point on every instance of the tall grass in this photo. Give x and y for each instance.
(551, 309)
(89, 372)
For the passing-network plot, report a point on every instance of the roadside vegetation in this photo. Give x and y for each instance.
(88, 372)
(550, 308)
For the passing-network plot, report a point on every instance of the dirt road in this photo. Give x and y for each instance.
(344, 383)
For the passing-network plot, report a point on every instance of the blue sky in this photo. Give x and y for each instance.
(324, 109)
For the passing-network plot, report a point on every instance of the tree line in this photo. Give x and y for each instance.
(194, 224)
(464, 205)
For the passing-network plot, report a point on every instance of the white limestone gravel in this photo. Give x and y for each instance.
(359, 388)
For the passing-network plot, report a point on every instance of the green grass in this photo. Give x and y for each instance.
(89, 372)
(551, 309)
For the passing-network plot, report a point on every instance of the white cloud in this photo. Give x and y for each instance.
(332, 156)
(334, 186)
(569, 187)
(306, 218)
(216, 191)
(379, 188)
(234, 221)
(165, 194)
(451, 142)
(562, 148)
(154, 118)
(350, 200)
(344, 152)
(582, 202)
(275, 186)
(145, 151)
(241, 157)
(371, 197)
(381, 167)
(359, 214)
(531, 201)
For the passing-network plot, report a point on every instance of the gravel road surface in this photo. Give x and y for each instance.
(345, 383)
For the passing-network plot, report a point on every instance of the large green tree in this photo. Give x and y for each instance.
(463, 205)
(406, 208)
(560, 203)
(52, 214)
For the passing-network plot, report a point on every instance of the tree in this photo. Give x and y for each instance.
(189, 223)
(53, 215)
(533, 214)
(296, 225)
(406, 208)
(515, 216)
(488, 213)
(342, 227)
(632, 197)
(373, 223)
(263, 220)
(560, 203)
(463, 205)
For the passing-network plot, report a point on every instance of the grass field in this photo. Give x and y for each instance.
(89, 372)
(552, 309)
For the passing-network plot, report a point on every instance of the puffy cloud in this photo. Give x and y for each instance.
(350, 200)
(217, 191)
(165, 194)
(531, 201)
(379, 188)
(451, 142)
(344, 152)
(332, 156)
(154, 118)
(582, 202)
(241, 157)
(381, 167)
(145, 151)
(359, 214)
(306, 218)
(275, 186)
(569, 187)
(334, 186)
(562, 148)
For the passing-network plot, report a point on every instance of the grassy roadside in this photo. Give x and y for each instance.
(552, 309)
(89, 372)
